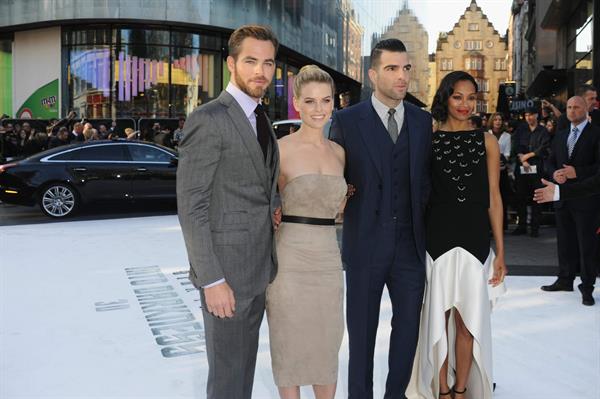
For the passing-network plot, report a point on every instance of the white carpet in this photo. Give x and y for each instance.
(103, 309)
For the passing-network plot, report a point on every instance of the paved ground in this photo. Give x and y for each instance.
(524, 255)
(82, 317)
(13, 215)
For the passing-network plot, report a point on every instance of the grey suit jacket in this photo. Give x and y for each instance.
(225, 199)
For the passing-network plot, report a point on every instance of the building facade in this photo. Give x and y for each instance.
(556, 41)
(432, 79)
(350, 51)
(149, 59)
(406, 27)
(473, 45)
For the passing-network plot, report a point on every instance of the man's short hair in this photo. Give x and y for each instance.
(387, 45)
(476, 121)
(258, 32)
(581, 90)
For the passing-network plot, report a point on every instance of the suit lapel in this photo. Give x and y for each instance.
(244, 129)
(580, 141)
(369, 121)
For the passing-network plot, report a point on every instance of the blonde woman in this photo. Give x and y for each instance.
(305, 301)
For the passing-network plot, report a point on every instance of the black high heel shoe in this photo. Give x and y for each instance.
(459, 392)
(449, 393)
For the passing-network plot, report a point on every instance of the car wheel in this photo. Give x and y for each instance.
(59, 200)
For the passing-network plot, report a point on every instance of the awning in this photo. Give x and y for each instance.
(548, 83)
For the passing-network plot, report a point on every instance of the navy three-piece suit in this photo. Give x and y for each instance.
(384, 237)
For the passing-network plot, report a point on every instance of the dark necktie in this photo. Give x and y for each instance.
(262, 129)
(392, 125)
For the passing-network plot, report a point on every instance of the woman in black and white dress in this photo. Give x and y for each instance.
(454, 356)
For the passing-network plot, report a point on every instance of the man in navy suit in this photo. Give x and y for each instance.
(575, 156)
(388, 145)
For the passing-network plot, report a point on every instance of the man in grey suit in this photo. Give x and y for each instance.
(226, 182)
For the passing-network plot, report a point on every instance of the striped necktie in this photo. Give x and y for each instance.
(571, 140)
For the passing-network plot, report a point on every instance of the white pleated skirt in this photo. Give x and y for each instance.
(455, 280)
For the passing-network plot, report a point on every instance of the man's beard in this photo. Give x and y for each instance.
(255, 93)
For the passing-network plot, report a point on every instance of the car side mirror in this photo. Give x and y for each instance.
(174, 161)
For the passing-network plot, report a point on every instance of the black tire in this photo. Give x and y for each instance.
(59, 200)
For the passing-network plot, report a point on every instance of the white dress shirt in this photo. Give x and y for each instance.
(382, 112)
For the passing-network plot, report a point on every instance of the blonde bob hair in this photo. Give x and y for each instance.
(310, 74)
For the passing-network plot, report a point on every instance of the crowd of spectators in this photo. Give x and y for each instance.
(20, 139)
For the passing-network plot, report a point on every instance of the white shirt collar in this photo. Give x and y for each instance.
(382, 109)
(247, 103)
(579, 127)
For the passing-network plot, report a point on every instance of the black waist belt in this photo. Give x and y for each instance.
(306, 220)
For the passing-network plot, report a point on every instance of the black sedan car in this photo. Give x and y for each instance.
(60, 180)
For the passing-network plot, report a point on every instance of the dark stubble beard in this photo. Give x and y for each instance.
(255, 93)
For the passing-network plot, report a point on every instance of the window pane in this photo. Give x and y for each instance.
(141, 78)
(276, 98)
(97, 35)
(195, 40)
(144, 36)
(193, 78)
(144, 153)
(103, 153)
(66, 156)
(88, 79)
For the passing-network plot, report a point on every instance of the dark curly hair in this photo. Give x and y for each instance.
(439, 106)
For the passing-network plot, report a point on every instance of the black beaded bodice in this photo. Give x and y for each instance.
(459, 168)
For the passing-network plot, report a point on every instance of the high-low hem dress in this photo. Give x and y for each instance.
(459, 265)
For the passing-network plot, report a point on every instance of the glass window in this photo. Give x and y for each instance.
(473, 64)
(88, 80)
(483, 84)
(291, 76)
(66, 156)
(276, 99)
(141, 79)
(473, 45)
(580, 37)
(103, 153)
(96, 35)
(500, 64)
(145, 153)
(482, 106)
(123, 73)
(144, 36)
(193, 79)
(195, 40)
(446, 64)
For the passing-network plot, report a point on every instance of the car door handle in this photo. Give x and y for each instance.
(142, 169)
(80, 169)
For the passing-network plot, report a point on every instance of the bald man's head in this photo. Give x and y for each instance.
(576, 110)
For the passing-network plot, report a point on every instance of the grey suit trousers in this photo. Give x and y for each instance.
(232, 377)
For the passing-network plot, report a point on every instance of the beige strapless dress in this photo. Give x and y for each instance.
(305, 301)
